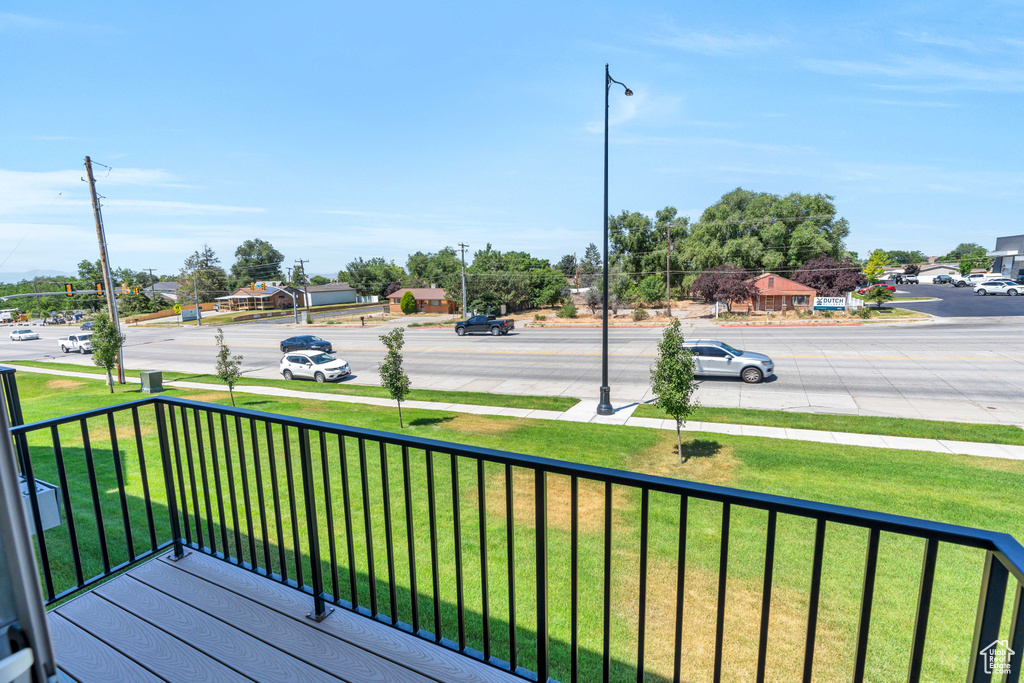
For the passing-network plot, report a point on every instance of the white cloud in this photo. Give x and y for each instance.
(714, 45)
(927, 74)
(168, 208)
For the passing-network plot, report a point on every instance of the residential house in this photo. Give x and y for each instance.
(929, 272)
(428, 300)
(776, 293)
(258, 299)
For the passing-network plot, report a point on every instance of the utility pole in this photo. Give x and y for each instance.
(195, 290)
(108, 282)
(465, 314)
(152, 292)
(668, 269)
(576, 265)
(305, 292)
(39, 306)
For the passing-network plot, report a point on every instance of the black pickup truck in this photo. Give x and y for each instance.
(485, 324)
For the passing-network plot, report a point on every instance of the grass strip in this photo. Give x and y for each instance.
(854, 424)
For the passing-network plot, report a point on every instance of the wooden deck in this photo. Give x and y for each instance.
(200, 619)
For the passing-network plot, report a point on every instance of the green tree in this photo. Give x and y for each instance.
(256, 260)
(673, 381)
(875, 266)
(229, 368)
(319, 280)
(962, 251)
(408, 303)
(433, 268)
(567, 264)
(372, 276)
(591, 266)
(652, 289)
(392, 376)
(879, 295)
(906, 257)
(106, 345)
(203, 269)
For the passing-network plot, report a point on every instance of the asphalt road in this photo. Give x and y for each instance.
(960, 369)
(959, 302)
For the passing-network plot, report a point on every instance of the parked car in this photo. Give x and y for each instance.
(315, 365)
(305, 341)
(718, 359)
(486, 324)
(87, 326)
(942, 280)
(865, 290)
(1001, 286)
(23, 335)
(75, 342)
(972, 279)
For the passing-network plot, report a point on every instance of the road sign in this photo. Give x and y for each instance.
(177, 308)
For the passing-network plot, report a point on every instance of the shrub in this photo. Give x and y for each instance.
(408, 303)
(538, 317)
(863, 313)
(652, 289)
(568, 310)
(826, 314)
(639, 314)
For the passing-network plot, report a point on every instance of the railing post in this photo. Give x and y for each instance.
(168, 471)
(990, 613)
(320, 609)
(541, 499)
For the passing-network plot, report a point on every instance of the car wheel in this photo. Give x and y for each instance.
(1011, 292)
(319, 377)
(982, 292)
(751, 375)
(460, 331)
(288, 374)
(284, 350)
(64, 348)
(495, 331)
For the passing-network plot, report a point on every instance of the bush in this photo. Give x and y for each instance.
(863, 313)
(568, 310)
(639, 314)
(538, 317)
(408, 303)
(652, 289)
(826, 314)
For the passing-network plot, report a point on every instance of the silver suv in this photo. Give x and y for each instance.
(718, 359)
(315, 365)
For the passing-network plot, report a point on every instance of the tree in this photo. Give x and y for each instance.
(640, 246)
(763, 231)
(433, 268)
(962, 251)
(906, 257)
(319, 280)
(652, 289)
(830, 277)
(408, 303)
(879, 295)
(372, 276)
(567, 265)
(203, 268)
(875, 266)
(726, 283)
(672, 380)
(229, 368)
(106, 345)
(255, 260)
(392, 376)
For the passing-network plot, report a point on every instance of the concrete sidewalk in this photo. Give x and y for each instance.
(586, 411)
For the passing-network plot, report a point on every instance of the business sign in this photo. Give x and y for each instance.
(188, 314)
(829, 303)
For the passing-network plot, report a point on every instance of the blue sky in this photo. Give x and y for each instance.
(339, 130)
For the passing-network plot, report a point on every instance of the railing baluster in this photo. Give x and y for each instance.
(36, 516)
(197, 518)
(460, 605)
(168, 474)
(231, 488)
(642, 610)
(275, 488)
(181, 477)
(143, 473)
(723, 568)
(94, 490)
(129, 543)
(320, 610)
(812, 609)
(329, 513)
(198, 424)
(924, 601)
(371, 567)
(990, 614)
(766, 595)
(863, 630)
(574, 579)
(411, 539)
(258, 471)
(432, 505)
(540, 498)
(485, 612)
(347, 499)
(510, 529)
(244, 477)
(1016, 637)
(214, 462)
(69, 512)
(388, 534)
(606, 649)
(290, 476)
(680, 589)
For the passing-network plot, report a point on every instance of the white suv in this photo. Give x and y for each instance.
(972, 279)
(316, 365)
(1000, 286)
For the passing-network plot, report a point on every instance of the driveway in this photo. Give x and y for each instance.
(958, 302)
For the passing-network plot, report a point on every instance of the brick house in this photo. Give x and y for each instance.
(428, 300)
(776, 293)
(245, 299)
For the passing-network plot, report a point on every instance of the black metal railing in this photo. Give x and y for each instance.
(522, 562)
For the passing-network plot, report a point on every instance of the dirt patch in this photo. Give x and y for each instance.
(590, 501)
(64, 384)
(481, 424)
(206, 396)
(997, 464)
(705, 460)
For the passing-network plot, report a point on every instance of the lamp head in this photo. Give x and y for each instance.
(629, 93)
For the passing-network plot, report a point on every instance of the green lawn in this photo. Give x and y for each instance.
(975, 492)
(560, 403)
(854, 424)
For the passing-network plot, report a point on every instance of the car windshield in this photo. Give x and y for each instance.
(83, 337)
(735, 352)
(322, 358)
(313, 339)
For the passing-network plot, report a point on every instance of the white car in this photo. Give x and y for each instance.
(23, 335)
(315, 365)
(972, 279)
(1000, 286)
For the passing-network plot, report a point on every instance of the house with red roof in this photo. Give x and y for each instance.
(428, 300)
(776, 293)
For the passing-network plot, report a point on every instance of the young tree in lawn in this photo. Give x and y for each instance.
(726, 283)
(830, 277)
(672, 380)
(392, 376)
(879, 295)
(106, 344)
(875, 266)
(229, 368)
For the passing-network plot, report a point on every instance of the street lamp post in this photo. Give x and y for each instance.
(604, 407)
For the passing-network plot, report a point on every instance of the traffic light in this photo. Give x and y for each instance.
(99, 289)
(69, 289)
(135, 291)
(263, 286)
(252, 286)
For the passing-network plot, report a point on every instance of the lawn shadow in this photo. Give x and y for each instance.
(430, 421)
(699, 448)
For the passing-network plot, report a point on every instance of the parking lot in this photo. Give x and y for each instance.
(958, 302)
